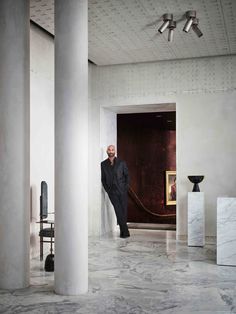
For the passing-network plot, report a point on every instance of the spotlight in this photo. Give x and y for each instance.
(172, 26)
(195, 27)
(166, 18)
(190, 15)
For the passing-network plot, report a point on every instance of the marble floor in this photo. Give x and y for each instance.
(150, 272)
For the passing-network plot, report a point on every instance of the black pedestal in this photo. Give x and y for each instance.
(49, 263)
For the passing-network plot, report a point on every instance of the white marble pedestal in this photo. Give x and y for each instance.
(226, 231)
(196, 219)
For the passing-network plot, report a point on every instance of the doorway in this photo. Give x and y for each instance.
(147, 142)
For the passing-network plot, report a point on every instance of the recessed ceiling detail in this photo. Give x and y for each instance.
(126, 31)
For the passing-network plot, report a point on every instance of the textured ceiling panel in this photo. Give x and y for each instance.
(42, 13)
(125, 31)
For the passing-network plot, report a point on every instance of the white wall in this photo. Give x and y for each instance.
(204, 93)
(108, 136)
(94, 219)
(41, 125)
(42, 135)
(206, 145)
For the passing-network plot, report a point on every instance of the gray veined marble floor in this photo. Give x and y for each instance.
(148, 273)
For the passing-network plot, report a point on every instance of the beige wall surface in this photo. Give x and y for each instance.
(204, 91)
(41, 125)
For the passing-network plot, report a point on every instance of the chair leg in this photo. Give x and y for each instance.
(51, 246)
(51, 240)
(41, 248)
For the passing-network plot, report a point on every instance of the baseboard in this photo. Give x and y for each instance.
(137, 225)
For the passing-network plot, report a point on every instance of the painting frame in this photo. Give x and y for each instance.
(170, 182)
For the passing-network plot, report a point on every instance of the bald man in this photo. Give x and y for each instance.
(115, 180)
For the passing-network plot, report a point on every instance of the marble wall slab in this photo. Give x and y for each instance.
(226, 231)
(196, 219)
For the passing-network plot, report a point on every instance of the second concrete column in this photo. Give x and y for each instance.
(71, 147)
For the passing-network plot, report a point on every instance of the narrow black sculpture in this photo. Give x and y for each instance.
(196, 180)
(44, 200)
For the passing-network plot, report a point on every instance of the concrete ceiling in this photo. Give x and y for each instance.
(125, 31)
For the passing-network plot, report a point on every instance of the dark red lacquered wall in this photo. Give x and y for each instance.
(147, 142)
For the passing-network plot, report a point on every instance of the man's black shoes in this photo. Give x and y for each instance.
(124, 235)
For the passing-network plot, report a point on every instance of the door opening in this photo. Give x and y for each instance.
(147, 142)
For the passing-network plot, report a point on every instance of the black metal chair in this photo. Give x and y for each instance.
(46, 232)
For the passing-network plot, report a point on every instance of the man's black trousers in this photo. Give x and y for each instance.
(119, 201)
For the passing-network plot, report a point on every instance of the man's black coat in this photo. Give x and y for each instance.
(118, 178)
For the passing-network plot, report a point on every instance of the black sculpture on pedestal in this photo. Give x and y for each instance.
(196, 180)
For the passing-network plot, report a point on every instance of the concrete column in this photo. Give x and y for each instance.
(14, 144)
(71, 147)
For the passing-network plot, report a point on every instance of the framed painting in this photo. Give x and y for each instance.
(170, 187)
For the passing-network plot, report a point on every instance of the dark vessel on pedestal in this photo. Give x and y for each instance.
(196, 180)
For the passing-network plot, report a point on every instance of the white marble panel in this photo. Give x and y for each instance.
(226, 231)
(196, 219)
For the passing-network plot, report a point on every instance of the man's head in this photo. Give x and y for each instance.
(111, 151)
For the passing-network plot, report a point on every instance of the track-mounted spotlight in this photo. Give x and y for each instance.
(166, 18)
(190, 15)
(172, 26)
(195, 27)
